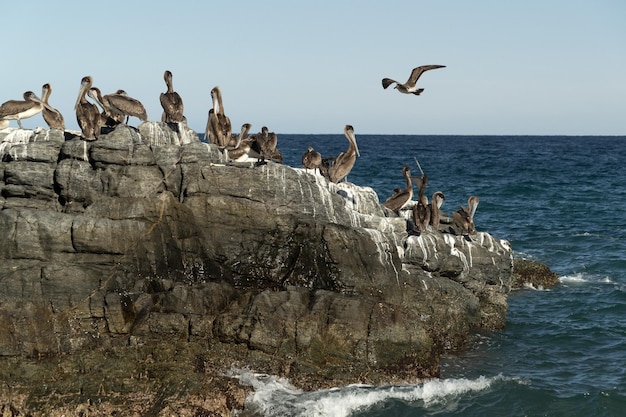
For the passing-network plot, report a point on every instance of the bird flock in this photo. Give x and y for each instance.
(109, 110)
(425, 215)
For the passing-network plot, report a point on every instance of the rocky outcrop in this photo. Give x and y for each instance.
(149, 236)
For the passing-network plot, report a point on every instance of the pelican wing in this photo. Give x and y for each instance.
(13, 107)
(128, 105)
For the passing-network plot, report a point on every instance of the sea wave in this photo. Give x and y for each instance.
(581, 278)
(274, 396)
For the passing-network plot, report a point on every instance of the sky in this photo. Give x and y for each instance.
(533, 67)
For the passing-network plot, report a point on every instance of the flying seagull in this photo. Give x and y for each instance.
(409, 86)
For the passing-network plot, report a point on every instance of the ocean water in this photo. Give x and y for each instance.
(558, 200)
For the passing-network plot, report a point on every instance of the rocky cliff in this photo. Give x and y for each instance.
(148, 237)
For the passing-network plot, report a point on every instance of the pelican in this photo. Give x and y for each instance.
(266, 142)
(345, 161)
(225, 124)
(464, 217)
(52, 116)
(399, 200)
(218, 127)
(241, 150)
(409, 87)
(311, 159)
(87, 114)
(21, 109)
(421, 211)
(171, 102)
(121, 105)
(435, 205)
(107, 118)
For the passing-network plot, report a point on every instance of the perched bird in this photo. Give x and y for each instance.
(123, 104)
(87, 114)
(240, 151)
(343, 164)
(266, 142)
(410, 86)
(52, 116)
(434, 206)
(218, 128)
(171, 102)
(401, 198)
(311, 159)
(421, 210)
(464, 217)
(107, 118)
(119, 105)
(21, 109)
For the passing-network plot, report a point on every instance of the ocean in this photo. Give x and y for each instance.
(558, 200)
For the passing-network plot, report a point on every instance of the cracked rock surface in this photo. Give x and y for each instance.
(150, 236)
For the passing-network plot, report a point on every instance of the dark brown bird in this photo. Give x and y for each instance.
(421, 211)
(218, 129)
(410, 86)
(311, 159)
(266, 142)
(240, 151)
(464, 217)
(119, 105)
(171, 102)
(52, 116)
(400, 199)
(435, 205)
(87, 114)
(107, 118)
(21, 109)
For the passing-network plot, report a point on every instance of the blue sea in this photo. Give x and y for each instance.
(558, 200)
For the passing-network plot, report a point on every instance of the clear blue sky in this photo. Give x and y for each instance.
(513, 67)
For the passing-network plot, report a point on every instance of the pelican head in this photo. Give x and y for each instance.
(438, 198)
(349, 131)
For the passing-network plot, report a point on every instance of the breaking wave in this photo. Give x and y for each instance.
(275, 396)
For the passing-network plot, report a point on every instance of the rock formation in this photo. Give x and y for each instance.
(149, 236)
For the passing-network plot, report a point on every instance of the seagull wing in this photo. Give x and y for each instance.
(417, 72)
(387, 82)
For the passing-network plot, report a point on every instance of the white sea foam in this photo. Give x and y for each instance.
(530, 286)
(274, 396)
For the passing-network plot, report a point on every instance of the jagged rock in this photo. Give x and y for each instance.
(148, 234)
(527, 272)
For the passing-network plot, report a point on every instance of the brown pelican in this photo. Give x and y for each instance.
(345, 161)
(122, 105)
(435, 205)
(311, 159)
(266, 142)
(52, 116)
(211, 130)
(87, 114)
(225, 124)
(107, 118)
(400, 199)
(241, 150)
(171, 102)
(421, 211)
(464, 217)
(21, 109)
(218, 127)
(409, 87)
